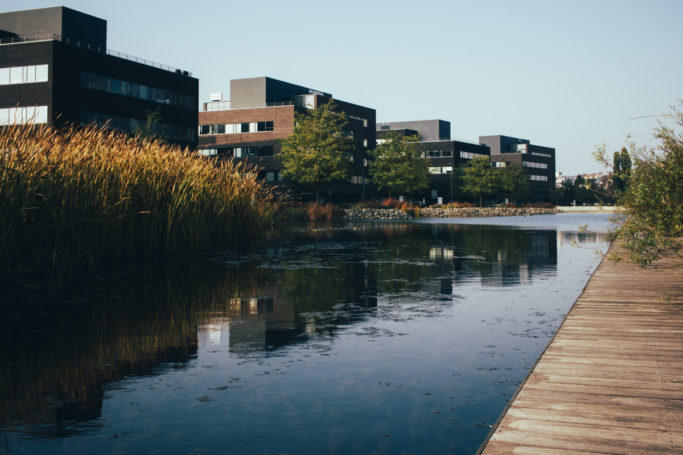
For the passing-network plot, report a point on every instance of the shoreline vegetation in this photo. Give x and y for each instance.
(89, 199)
(80, 199)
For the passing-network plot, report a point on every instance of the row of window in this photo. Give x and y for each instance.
(470, 155)
(135, 90)
(534, 164)
(131, 125)
(23, 74)
(275, 176)
(236, 128)
(441, 170)
(357, 179)
(23, 115)
(544, 155)
(438, 154)
(538, 178)
(239, 152)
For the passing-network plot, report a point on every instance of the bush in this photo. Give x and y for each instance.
(654, 197)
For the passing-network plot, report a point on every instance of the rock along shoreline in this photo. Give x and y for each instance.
(437, 212)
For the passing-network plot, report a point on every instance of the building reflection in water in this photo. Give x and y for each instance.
(61, 351)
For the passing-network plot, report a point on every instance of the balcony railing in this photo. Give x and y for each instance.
(91, 47)
(212, 106)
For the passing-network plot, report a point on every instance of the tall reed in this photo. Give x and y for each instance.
(86, 197)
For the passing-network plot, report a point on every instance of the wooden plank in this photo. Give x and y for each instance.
(611, 380)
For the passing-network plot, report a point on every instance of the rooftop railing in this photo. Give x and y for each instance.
(91, 47)
(212, 106)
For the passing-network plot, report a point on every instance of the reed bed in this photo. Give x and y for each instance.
(81, 198)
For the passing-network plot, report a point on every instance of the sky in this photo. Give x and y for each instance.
(565, 74)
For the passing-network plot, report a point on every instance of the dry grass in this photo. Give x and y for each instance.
(83, 197)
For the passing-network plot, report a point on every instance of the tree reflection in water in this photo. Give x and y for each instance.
(61, 352)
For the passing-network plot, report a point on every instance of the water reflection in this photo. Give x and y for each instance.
(62, 355)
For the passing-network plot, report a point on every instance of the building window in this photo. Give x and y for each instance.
(23, 74)
(435, 170)
(469, 155)
(534, 164)
(538, 178)
(131, 125)
(544, 155)
(438, 154)
(236, 128)
(501, 164)
(257, 150)
(23, 115)
(208, 152)
(139, 91)
(265, 126)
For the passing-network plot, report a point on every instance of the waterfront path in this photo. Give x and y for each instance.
(611, 380)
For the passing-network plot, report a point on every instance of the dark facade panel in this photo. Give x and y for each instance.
(429, 130)
(262, 91)
(79, 28)
(502, 144)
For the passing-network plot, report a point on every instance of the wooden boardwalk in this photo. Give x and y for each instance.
(611, 380)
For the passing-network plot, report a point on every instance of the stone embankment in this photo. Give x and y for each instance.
(376, 215)
(439, 212)
(471, 212)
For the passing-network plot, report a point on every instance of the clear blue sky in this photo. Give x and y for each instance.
(565, 74)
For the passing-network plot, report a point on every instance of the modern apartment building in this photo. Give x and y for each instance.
(536, 160)
(261, 111)
(444, 155)
(55, 68)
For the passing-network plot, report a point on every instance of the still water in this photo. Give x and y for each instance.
(365, 338)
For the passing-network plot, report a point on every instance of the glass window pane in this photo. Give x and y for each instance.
(41, 114)
(269, 126)
(245, 128)
(15, 75)
(30, 74)
(261, 126)
(253, 127)
(4, 76)
(41, 73)
(4, 116)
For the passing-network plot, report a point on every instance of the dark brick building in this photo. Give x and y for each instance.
(261, 111)
(536, 160)
(55, 68)
(445, 156)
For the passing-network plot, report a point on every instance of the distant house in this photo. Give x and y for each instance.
(55, 68)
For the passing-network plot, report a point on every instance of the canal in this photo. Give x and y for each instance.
(359, 338)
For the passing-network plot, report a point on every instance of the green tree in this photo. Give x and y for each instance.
(621, 171)
(318, 149)
(480, 179)
(653, 198)
(398, 166)
(514, 182)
